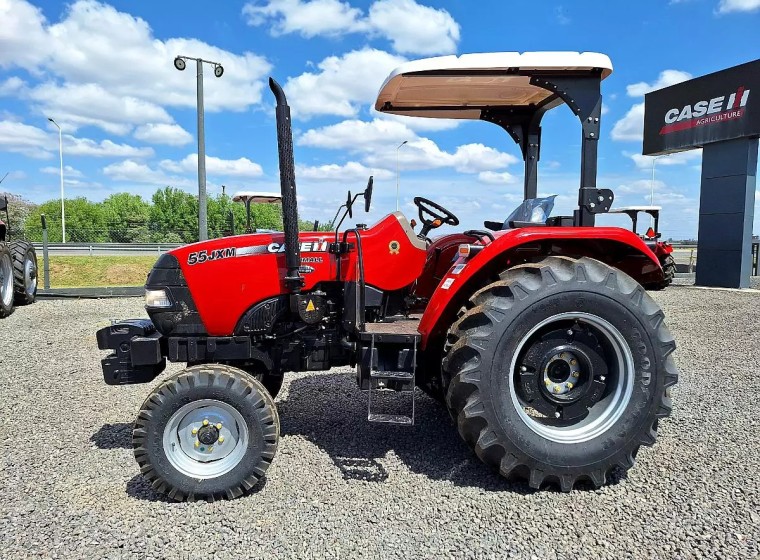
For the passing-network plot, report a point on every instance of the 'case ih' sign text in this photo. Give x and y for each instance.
(720, 106)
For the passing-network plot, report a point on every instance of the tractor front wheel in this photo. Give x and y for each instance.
(208, 432)
(6, 281)
(560, 372)
(24, 271)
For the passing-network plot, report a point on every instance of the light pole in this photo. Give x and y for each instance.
(180, 64)
(651, 186)
(60, 153)
(397, 172)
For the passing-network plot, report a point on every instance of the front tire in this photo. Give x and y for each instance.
(560, 372)
(6, 281)
(208, 432)
(24, 271)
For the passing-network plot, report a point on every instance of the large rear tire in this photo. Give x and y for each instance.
(208, 432)
(560, 372)
(6, 281)
(24, 271)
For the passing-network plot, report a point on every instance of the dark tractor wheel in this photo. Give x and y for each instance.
(669, 270)
(24, 271)
(560, 372)
(6, 281)
(208, 432)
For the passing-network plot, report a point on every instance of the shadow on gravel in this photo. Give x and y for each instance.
(113, 436)
(331, 412)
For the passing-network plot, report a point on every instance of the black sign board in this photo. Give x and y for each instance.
(720, 106)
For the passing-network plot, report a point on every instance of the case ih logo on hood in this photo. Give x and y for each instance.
(715, 110)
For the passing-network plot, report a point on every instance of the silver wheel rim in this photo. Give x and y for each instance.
(6, 280)
(199, 460)
(30, 276)
(603, 414)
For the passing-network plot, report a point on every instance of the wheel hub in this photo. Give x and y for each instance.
(563, 373)
(208, 435)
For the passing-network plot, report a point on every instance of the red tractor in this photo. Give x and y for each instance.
(552, 359)
(662, 249)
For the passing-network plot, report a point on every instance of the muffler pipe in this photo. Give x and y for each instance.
(293, 279)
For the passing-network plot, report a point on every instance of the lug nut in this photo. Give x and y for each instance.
(219, 426)
(548, 382)
(205, 422)
(569, 385)
(221, 439)
(556, 415)
(602, 378)
(557, 389)
(573, 362)
(576, 375)
(210, 448)
(194, 431)
(197, 443)
(523, 368)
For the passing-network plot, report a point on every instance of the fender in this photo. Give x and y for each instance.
(615, 246)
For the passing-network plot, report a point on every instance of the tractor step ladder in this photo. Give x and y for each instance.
(389, 365)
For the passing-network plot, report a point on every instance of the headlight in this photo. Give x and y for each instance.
(157, 298)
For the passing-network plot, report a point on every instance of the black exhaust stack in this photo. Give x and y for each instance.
(293, 279)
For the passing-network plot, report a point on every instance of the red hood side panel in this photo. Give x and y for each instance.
(227, 276)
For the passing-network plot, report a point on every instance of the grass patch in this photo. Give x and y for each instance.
(85, 272)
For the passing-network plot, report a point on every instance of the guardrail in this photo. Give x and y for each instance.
(93, 249)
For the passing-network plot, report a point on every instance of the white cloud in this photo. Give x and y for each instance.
(679, 158)
(727, 6)
(105, 68)
(347, 173)
(423, 153)
(379, 139)
(12, 86)
(356, 135)
(34, 142)
(77, 105)
(241, 167)
(106, 148)
(342, 84)
(631, 126)
(23, 38)
(666, 78)
(494, 178)
(161, 133)
(130, 171)
(310, 18)
(24, 139)
(413, 28)
(68, 171)
(409, 26)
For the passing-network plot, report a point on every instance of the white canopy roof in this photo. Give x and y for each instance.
(456, 83)
(257, 196)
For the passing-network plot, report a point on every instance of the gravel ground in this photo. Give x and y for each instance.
(342, 488)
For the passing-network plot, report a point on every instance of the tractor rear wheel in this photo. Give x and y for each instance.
(560, 371)
(6, 281)
(208, 432)
(24, 271)
(669, 270)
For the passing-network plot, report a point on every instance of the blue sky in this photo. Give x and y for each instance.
(105, 73)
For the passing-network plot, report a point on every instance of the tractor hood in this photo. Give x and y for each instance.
(459, 87)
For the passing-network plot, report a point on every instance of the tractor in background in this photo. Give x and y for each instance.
(18, 268)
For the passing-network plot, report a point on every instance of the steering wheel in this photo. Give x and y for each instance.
(437, 212)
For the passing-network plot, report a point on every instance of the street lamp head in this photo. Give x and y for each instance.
(218, 70)
(179, 63)
(51, 119)
(402, 143)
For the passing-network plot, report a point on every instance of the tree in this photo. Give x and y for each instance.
(176, 212)
(85, 221)
(127, 216)
(18, 212)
